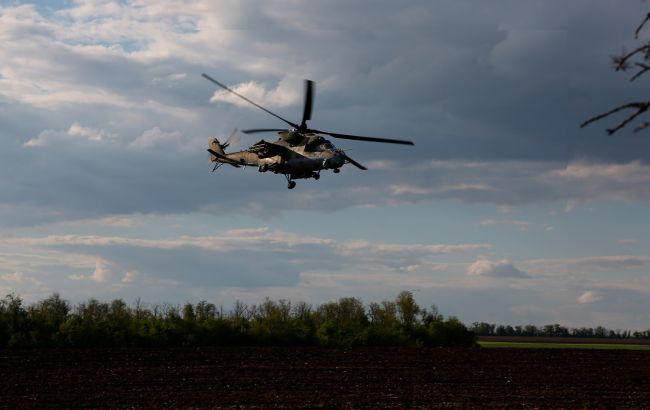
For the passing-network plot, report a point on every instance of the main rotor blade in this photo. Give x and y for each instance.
(309, 97)
(360, 138)
(207, 77)
(355, 163)
(233, 139)
(253, 131)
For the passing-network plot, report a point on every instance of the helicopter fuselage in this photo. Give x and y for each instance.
(306, 159)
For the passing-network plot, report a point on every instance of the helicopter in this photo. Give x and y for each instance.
(300, 152)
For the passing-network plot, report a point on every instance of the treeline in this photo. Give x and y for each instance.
(555, 330)
(53, 322)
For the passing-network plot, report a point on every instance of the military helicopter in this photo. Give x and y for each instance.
(299, 152)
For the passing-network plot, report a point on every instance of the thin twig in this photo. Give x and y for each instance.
(621, 62)
(640, 107)
(644, 68)
(610, 112)
(638, 29)
(642, 126)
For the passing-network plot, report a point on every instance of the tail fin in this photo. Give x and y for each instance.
(214, 145)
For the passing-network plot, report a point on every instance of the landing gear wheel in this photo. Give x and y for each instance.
(336, 170)
(291, 185)
(316, 176)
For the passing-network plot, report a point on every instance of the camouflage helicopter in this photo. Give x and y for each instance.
(299, 152)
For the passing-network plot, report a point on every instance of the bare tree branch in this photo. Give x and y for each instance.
(640, 107)
(621, 63)
(638, 29)
(624, 62)
(644, 68)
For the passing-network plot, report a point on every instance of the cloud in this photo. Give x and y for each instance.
(84, 76)
(365, 247)
(76, 131)
(15, 277)
(245, 258)
(589, 297)
(526, 182)
(102, 273)
(284, 95)
(590, 181)
(156, 138)
(603, 275)
(116, 221)
(523, 51)
(496, 269)
(611, 262)
(522, 225)
(250, 239)
(21, 284)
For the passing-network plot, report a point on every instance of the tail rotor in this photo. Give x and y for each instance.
(233, 139)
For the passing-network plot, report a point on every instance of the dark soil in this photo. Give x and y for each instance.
(316, 377)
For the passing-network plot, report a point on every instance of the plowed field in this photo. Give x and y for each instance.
(315, 377)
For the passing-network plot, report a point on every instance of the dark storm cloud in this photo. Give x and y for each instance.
(502, 83)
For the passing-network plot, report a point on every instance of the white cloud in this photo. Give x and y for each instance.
(19, 283)
(529, 182)
(586, 268)
(367, 247)
(282, 96)
(397, 190)
(246, 238)
(592, 181)
(608, 262)
(570, 206)
(522, 225)
(15, 277)
(75, 132)
(245, 258)
(589, 296)
(497, 269)
(103, 273)
(155, 137)
(116, 221)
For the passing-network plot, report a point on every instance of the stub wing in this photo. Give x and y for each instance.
(265, 149)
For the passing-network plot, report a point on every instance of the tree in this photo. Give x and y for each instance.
(483, 329)
(342, 323)
(407, 309)
(15, 320)
(636, 59)
(385, 328)
(47, 316)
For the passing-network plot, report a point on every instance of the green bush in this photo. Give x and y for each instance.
(52, 322)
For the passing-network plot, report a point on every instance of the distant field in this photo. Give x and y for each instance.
(563, 343)
(538, 345)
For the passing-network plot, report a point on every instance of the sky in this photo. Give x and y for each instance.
(504, 211)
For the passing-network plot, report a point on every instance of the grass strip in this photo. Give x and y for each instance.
(541, 345)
